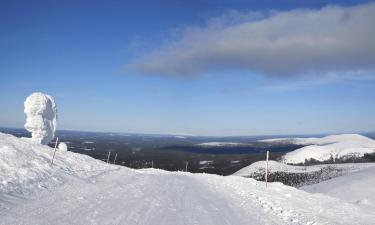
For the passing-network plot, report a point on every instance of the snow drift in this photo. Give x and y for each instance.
(41, 116)
(326, 148)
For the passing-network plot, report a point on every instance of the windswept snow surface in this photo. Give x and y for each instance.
(332, 146)
(41, 116)
(80, 190)
(357, 187)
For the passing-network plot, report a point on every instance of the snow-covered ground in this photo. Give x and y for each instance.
(80, 190)
(332, 146)
(357, 187)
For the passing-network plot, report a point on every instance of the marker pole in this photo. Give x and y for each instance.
(109, 154)
(114, 161)
(54, 152)
(266, 175)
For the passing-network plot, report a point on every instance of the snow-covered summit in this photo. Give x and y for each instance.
(326, 148)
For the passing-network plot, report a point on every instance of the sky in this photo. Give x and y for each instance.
(204, 67)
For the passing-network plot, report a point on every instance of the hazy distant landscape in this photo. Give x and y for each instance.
(171, 152)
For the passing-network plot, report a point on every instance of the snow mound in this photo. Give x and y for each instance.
(41, 116)
(63, 146)
(273, 166)
(326, 148)
(25, 165)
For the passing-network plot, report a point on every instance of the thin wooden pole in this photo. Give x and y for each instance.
(114, 161)
(109, 154)
(54, 152)
(266, 175)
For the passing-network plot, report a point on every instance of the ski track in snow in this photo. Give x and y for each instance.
(157, 197)
(80, 190)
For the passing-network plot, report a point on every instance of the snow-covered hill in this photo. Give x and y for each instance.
(298, 176)
(82, 190)
(326, 148)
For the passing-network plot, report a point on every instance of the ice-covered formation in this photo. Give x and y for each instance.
(41, 116)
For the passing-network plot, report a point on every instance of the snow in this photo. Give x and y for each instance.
(41, 116)
(357, 187)
(274, 166)
(325, 148)
(204, 162)
(221, 144)
(78, 189)
(63, 146)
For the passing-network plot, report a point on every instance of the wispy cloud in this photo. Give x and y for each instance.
(333, 39)
(308, 82)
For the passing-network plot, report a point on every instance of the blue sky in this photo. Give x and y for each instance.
(155, 67)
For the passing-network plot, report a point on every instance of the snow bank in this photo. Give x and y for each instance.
(326, 148)
(41, 115)
(25, 165)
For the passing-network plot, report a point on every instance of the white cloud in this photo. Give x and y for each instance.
(300, 41)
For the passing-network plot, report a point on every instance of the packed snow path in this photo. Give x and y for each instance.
(124, 196)
(78, 189)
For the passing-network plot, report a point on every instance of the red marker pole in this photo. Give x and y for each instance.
(109, 155)
(266, 175)
(54, 152)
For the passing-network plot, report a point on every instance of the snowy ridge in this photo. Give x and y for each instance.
(326, 148)
(82, 190)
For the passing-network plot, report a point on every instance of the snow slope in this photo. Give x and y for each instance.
(82, 190)
(357, 187)
(332, 146)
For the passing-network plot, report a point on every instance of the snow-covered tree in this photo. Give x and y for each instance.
(41, 116)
